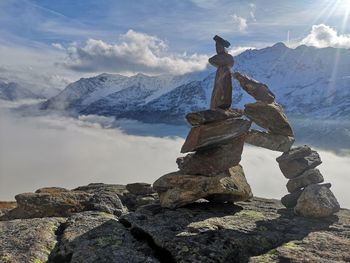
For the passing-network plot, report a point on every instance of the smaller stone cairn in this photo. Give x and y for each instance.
(215, 143)
(211, 170)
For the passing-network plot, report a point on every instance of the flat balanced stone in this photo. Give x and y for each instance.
(257, 90)
(275, 142)
(214, 160)
(208, 116)
(295, 153)
(269, 116)
(221, 59)
(312, 176)
(317, 201)
(298, 162)
(221, 41)
(176, 189)
(222, 92)
(214, 134)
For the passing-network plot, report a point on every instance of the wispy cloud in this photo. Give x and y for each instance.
(239, 22)
(134, 52)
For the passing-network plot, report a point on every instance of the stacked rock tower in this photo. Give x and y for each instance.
(215, 143)
(216, 140)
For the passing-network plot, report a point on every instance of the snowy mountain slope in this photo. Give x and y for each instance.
(105, 89)
(307, 81)
(13, 91)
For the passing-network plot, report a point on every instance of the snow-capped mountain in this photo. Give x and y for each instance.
(307, 81)
(13, 91)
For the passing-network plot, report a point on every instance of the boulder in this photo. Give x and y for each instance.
(221, 60)
(257, 90)
(177, 189)
(311, 176)
(214, 160)
(51, 190)
(269, 116)
(51, 202)
(270, 141)
(140, 188)
(32, 205)
(219, 48)
(222, 93)
(317, 201)
(214, 134)
(290, 200)
(292, 168)
(208, 116)
(29, 240)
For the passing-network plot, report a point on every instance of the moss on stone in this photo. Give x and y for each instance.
(291, 246)
(37, 260)
(251, 213)
(5, 258)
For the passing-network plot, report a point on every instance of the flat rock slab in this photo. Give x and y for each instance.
(214, 160)
(295, 165)
(312, 176)
(176, 189)
(275, 142)
(214, 134)
(242, 232)
(222, 93)
(208, 116)
(257, 90)
(222, 59)
(269, 116)
(98, 237)
(28, 240)
(317, 201)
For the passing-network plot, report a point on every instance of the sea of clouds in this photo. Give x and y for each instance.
(53, 150)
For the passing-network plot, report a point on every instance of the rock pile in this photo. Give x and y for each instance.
(306, 195)
(211, 170)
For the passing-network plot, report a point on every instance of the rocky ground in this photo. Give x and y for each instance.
(117, 223)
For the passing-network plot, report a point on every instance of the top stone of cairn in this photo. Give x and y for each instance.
(221, 41)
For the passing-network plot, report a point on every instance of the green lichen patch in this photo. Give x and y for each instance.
(251, 213)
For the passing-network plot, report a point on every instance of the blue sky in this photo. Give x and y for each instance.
(174, 33)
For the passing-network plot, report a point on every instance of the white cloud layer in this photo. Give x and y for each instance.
(325, 36)
(240, 22)
(134, 52)
(58, 151)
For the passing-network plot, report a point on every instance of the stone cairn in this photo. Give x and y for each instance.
(215, 143)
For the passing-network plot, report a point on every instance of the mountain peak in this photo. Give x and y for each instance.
(279, 45)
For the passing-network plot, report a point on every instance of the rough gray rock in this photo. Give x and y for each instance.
(208, 116)
(275, 142)
(312, 176)
(140, 188)
(295, 166)
(254, 231)
(214, 134)
(290, 200)
(214, 160)
(257, 90)
(98, 237)
(28, 240)
(44, 204)
(317, 201)
(295, 153)
(269, 116)
(176, 189)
